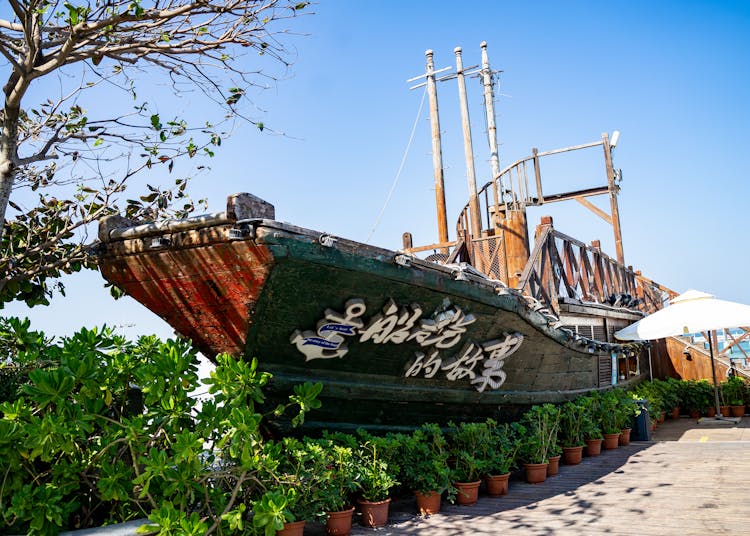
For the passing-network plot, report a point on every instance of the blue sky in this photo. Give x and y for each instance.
(671, 76)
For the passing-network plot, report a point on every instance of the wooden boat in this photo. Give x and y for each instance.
(484, 326)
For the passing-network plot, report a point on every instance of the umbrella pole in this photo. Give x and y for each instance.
(713, 373)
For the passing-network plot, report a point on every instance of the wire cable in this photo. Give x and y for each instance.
(400, 168)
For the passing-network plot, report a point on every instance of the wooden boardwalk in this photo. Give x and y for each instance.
(691, 480)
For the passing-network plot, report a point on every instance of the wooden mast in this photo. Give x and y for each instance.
(437, 152)
(512, 224)
(475, 215)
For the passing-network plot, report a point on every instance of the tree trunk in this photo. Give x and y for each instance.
(8, 158)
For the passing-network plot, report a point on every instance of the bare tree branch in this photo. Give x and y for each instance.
(199, 44)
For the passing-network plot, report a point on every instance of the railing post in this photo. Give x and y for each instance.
(613, 197)
(516, 244)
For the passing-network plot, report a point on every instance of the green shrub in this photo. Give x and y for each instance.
(106, 430)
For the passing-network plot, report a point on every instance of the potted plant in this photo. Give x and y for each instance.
(541, 423)
(609, 419)
(466, 450)
(272, 513)
(375, 478)
(500, 453)
(592, 432)
(424, 466)
(297, 479)
(573, 420)
(337, 472)
(733, 390)
(627, 410)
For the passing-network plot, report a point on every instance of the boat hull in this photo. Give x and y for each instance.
(395, 341)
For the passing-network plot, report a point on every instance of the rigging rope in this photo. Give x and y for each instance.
(400, 168)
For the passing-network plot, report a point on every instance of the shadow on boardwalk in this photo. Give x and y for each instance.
(686, 482)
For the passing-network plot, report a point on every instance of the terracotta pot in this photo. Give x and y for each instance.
(497, 485)
(572, 455)
(467, 492)
(662, 417)
(625, 437)
(593, 447)
(695, 414)
(675, 413)
(711, 412)
(339, 523)
(611, 441)
(374, 514)
(536, 473)
(296, 528)
(553, 467)
(428, 503)
(738, 411)
(725, 410)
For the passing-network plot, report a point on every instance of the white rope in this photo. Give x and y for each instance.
(400, 168)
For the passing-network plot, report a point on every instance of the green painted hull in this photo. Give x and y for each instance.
(368, 386)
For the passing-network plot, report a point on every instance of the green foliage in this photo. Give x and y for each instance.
(105, 430)
(573, 421)
(697, 395)
(467, 449)
(541, 423)
(273, 510)
(501, 451)
(374, 475)
(424, 460)
(733, 391)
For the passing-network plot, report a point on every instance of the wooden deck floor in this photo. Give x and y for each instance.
(691, 480)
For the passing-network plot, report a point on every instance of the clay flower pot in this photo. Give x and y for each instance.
(553, 467)
(625, 437)
(374, 514)
(725, 411)
(428, 503)
(676, 413)
(536, 473)
(611, 441)
(339, 523)
(711, 412)
(738, 411)
(467, 492)
(296, 528)
(497, 485)
(572, 455)
(593, 447)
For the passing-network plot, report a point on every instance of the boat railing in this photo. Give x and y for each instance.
(562, 267)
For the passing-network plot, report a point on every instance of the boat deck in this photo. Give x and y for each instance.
(692, 479)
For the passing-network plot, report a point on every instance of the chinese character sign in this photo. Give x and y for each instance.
(480, 364)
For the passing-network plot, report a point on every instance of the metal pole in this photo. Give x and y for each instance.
(437, 152)
(476, 218)
(613, 197)
(713, 373)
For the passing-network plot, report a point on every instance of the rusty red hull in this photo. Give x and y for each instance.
(214, 312)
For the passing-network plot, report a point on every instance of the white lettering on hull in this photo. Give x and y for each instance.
(397, 325)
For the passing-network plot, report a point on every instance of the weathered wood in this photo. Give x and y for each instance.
(475, 214)
(516, 241)
(437, 150)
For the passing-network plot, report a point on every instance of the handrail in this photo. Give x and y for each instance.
(561, 266)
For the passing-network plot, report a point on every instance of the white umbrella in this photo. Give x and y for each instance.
(691, 312)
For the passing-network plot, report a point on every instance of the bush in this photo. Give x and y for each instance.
(107, 431)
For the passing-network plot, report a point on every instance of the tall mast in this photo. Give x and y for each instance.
(437, 152)
(476, 217)
(489, 106)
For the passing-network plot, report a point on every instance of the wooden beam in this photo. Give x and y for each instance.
(593, 208)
